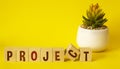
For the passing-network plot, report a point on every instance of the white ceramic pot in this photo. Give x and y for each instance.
(94, 39)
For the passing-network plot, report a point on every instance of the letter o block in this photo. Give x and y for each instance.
(34, 54)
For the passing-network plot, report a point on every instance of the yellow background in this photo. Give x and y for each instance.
(54, 23)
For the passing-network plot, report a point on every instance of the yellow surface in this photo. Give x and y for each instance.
(54, 23)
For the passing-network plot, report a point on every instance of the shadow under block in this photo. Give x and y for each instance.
(85, 54)
(58, 55)
(34, 54)
(22, 54)
(46, 54)
(10, 55)
(72, 52)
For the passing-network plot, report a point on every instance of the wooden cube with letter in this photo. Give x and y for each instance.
(10, 54)
(22, 54)
(46, 54)
(58, 55)
(34, 54)
(85, 54)
(72, 52)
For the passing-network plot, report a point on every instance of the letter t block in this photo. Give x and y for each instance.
(85, 54)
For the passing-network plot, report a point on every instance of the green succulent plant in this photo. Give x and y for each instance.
(95, 17)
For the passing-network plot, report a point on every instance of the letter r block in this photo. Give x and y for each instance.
(22, 54)
(72, 52)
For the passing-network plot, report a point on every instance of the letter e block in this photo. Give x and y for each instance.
(58, 55)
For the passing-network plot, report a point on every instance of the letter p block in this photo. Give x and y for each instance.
(10, 55)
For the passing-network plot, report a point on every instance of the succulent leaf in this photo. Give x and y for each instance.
(95, 17)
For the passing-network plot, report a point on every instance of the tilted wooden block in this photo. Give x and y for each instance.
(72, 52)
(22, 54)
(58, 54)
(10, 54)
(85, 54)
(34, 54)
(46, 54)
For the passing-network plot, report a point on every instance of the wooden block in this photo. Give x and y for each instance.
(34, 54)
(22, 54)
(58, 54)
(10, 54)
(72, 52)
(85, 54)
(46, 54)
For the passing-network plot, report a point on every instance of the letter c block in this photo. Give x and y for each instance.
(72, 52)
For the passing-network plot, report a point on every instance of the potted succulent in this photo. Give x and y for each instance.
(93, 33)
